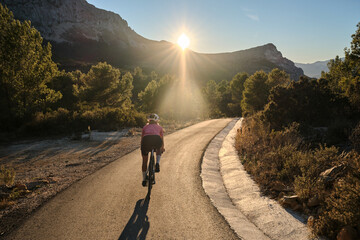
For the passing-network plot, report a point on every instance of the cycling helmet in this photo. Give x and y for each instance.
(153, 117)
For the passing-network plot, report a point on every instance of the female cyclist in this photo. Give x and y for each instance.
(152, 137)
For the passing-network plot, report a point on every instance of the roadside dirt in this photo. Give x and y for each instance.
(47, 167)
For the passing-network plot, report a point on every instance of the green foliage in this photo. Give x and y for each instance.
(213, 97)
(140, 81)
(68, 84)
(147, 97)
(105, 88)
(25, 69)
(236, 89)
(255, 94)
(344, 75)
(63, 121)
(278, 78)
(308, 102)
(355, 43)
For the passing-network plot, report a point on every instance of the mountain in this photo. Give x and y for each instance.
(314, 69)
(82, 35)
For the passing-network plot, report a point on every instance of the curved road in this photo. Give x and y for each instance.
(112, 204)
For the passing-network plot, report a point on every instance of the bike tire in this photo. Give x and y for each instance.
(151, 172)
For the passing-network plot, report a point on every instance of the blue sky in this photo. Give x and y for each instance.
(304, 31)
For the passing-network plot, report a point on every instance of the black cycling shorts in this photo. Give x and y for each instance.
(150, 142)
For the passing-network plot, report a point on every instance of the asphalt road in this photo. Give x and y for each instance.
(112, 204)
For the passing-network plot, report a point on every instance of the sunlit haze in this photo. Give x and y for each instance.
(304, 31)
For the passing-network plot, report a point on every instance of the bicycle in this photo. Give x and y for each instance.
(151, 170)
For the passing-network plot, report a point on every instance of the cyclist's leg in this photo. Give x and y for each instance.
(158, 144)
(158, 155)
(145, 162)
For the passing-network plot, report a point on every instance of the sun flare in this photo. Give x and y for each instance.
(183, 41)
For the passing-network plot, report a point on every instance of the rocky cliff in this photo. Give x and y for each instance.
(74, 20)
(82, 34)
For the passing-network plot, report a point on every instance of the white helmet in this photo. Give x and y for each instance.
(153, 117)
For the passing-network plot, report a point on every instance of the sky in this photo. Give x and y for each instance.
(303, 31)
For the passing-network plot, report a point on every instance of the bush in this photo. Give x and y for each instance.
(54, 122)
(269, 155)
(7, 176)
(342, 207)
(313, 163)
(280, 156)
(63, 121)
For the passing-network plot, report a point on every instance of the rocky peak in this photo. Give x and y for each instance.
(74, 20)
(275, 56)
(269, 52)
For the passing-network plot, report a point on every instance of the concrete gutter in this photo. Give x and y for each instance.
(238, 198)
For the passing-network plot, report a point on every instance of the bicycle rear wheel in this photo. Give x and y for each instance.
(151, 171)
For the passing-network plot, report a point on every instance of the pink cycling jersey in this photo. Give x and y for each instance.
(152, 129)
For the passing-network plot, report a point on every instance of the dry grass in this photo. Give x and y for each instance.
(281, 157)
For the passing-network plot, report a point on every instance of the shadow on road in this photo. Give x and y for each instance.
(138, 224)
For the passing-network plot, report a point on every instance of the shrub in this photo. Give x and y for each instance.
(314, 162)
(342, 207)
(269, 155)
(280, 156)
(7, 176)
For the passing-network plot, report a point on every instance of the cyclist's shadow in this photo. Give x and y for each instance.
(138, 224)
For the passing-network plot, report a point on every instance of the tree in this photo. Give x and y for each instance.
(355, 43)
(140, 81)
(344, 75)
(255, 93)
(236, 89)
(213, 97)
(25, 69)
(67, 83)
(105, 88)
(308, 102)
(277, 77)
(153, 96)
(223, 88)
(147, 97)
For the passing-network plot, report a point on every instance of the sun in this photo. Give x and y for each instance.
(183, 41)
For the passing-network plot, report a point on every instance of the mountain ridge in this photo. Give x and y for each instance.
(82, 34)
(314, 69)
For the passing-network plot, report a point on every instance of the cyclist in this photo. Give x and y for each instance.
(152, 137)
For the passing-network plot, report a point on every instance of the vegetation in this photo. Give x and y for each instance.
(35, 97)
(294, 134)
(25, 69)
(7, 176)
(296, 140)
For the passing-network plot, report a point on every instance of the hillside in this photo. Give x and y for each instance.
(82, 34)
